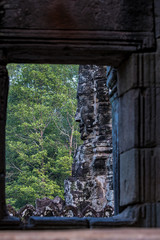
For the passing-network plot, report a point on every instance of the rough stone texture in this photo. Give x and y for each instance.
(139, 133)
(129, 177)
(25, 213)
(56, 204)
(135, 103)
(120, 234)
(59, 31)
(72, 15)
(113, 94)
(55, 208)
(91, 183)
(157, 17)
(4, 84)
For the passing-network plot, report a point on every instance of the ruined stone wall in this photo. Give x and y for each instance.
(91, 183)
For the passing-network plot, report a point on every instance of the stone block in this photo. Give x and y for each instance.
(151, 215)
(138, 71)
(139, 117)
(157, 215)
(127, 75)
(76, 32)
(147, 176)
(119, 232)
(157, 17)
(115, 142)
(101, 15)
(156, 174)
(139, 176)
(58, 222)
(4, 83)
(2, 196)
(128, 120)
(129, 178)
(147, 118)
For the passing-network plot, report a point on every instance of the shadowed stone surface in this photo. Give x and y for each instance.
(59, 31)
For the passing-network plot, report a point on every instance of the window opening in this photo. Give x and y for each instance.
(40, 152)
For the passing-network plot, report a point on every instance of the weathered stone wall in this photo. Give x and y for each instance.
(91, 183)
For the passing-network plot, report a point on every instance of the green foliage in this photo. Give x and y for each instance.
(41, 135)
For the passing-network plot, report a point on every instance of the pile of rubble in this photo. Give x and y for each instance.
(56, 208)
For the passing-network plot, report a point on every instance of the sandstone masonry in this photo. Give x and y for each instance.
(91, 183)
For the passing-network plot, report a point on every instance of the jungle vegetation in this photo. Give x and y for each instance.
(41, 132)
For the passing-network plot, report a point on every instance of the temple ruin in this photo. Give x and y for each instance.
(124, 35)
(89, 191)
(91, 184)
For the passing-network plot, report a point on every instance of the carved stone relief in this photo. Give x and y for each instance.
(91, 183)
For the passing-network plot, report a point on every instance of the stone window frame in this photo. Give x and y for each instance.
(8, 222)
(129, 41)
(25, 37)
(124, 216)
(127, 214)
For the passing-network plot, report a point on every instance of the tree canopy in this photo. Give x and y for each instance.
(41, 133)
